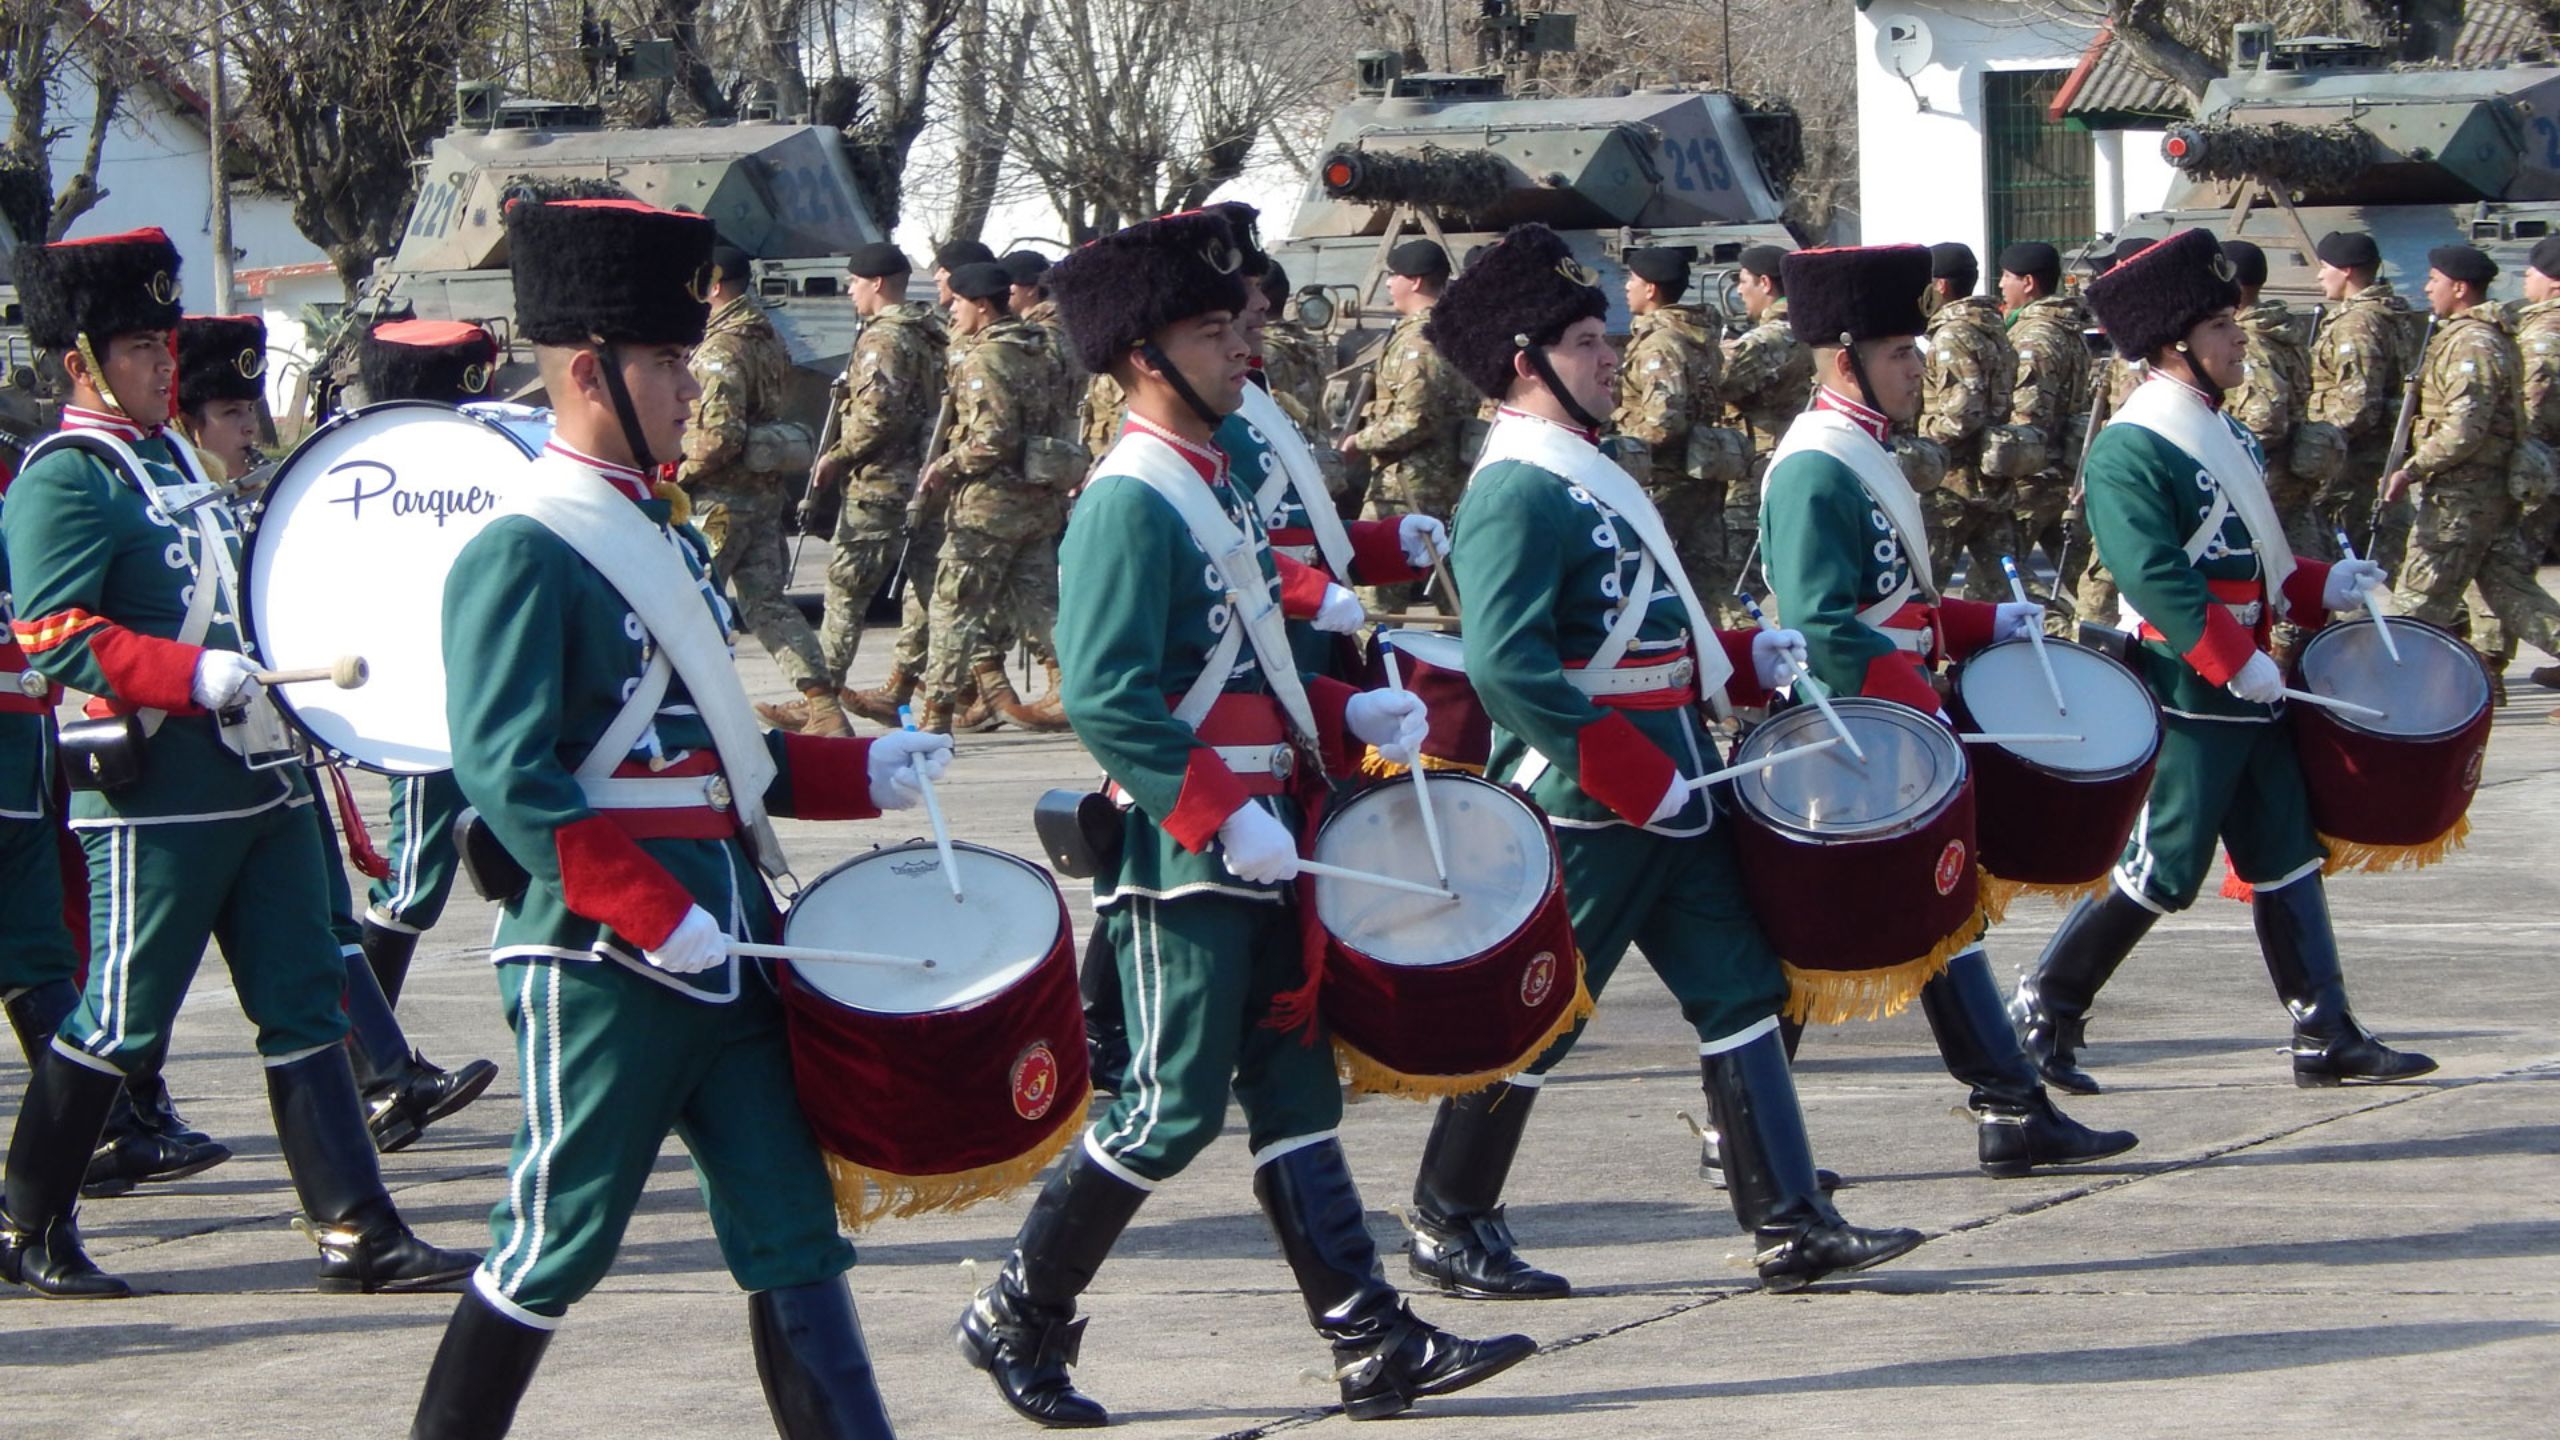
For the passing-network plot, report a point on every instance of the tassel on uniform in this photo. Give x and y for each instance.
(1367, 1075)
(368, 861)
(864, 1195)
(2381, 859)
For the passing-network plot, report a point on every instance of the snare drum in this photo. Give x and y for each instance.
(1863, 874)
(1433, 665)
(1428, 997)
(935, 1089)
(360, 526)
(2392, 792)
(2054, 816)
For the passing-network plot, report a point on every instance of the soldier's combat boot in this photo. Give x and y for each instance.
(481, 1371)
(880, 706)
(2330, 1046)
(364, 1245)
(388, 952)
(790, 716)
(66, 1103)
(1461, 1241)
(934, 716)
(2547, 676)
(2018, 1126)
(1022, 1330)
(1384, 1355)
(816, 1370)
(2050, 1010)
(1769, 1165)
(823, 714)
(403, 1094)
(1047, 715)
(994, 691)
(974, 712)
(1711, 1152)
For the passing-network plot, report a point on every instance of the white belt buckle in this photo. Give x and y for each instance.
(716, 791)
(2247, 614)
(32, 684)
(1683, 671)
(1284, 761)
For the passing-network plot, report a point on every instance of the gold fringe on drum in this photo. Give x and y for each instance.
(2378, 859)
(864, 1195)
(1998, 894)
(1835, 997)
(1379, 767)
(1369, 1076)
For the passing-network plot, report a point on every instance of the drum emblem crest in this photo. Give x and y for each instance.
(1539, 980)
(2471, 770)
(1950, 867)
(1035, 1080)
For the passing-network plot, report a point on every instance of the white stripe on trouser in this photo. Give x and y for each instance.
(1146, 1065)
(1739, 1038)
(118, 985)
(2133, 879)
(413, 803)
(1291, 1146)
(541, 1062)
(1093, 1150)
(85, 1060)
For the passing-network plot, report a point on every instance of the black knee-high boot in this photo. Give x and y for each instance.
(1461, 1241)
(2329, 1045)
(816, 1371)
(66, 1105)
(1022, 1330)
(364, 1245)
(388, 953)
(1711, 1150)
(403, 1093)
(480, 1374)
(1769, 1164)
(2016, 1122)
(2050, 1010)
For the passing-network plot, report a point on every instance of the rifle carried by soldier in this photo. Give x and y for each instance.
(837, 390)
(2074, 502)
(2401, 430)
(920, 502)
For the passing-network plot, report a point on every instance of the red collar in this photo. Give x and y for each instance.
(1505, 412)
(1877, 424)
(1210, 461)
(625, 478)
(75, 417)
(2210, 402)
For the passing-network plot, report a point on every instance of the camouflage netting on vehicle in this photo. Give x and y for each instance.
(2302, 157)
(1464, 181)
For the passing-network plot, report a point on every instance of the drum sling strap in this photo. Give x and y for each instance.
(1299, 475)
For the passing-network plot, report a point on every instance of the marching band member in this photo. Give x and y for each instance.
(616, 761)
(2207, 597)
(122, 559)
(1848, 564)
(1179, 680)
(1592, 654)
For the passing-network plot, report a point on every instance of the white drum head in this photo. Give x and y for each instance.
(1499, 864)
(1431, 647)
(528, 423)
(2004, 690)
(2434, 688)
(1913, 764)
(361, 526)
(898, 902)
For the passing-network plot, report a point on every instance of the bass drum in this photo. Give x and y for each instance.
(360, 526)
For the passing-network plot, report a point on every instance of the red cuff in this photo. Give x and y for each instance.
(830, 777)
(2306, 594)
(1302, 588)
(1210, 793)
(1965, 626)
(606, 877)
(1329, 699)
(2226, 646)
(1898, 676)
(1621, 769)
(1377, 553)
(1743, 687)
(146, 671)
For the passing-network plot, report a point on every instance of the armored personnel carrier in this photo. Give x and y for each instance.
(2307, 136)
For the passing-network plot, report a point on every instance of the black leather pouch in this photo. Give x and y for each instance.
(1079, 831)
(102, 754)
(495, 875)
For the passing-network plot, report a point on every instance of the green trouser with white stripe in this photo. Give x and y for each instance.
(613, 1062)
(35, 949)
(2235, 781)
(1197, 976)
(157, 892)
(423, 859)
(343, 926)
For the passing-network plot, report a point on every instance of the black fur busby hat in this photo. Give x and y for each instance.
(1244, 222)
(100, 287)
(221, 357)
(1862, 292)
(617, 271)
(446, 361)
(1521, 292)
(2151, 301)
(1115, 291)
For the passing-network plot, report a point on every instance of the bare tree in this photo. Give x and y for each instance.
(995, 54)
(45, 45)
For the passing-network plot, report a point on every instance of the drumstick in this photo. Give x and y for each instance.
(2332, 702)
(1440, 573)
(1782, 757)
(1805, 682)
(1421, 794)
(2018, 592)
(933, 813)
(348, 672)
(1383, 882)
(1434, 618)
(2022, 739)
(2373, 603)
(816, 955)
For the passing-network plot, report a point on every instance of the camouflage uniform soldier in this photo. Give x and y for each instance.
(998, 575)
(2053, 379)
(2468, 401)
(1667, 387)
(743, 370)
(1768, 376)
(2275, 399)
(1292, 360)
(1972, 374)
(1418, 407)
(2507, 581)
(1030, 303)
(2356, 378)
(1103, 408)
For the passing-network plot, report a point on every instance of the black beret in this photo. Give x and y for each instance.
(1115, 291)
(1953, 260)
(2151, 301)
(446, 361)
(2248, 262)
(2126, 249)
(2350, 250)
(2463, 262)
(221, 357)
(1025, 266)
(982, 280)
(1666, 265)
(877, 260)
(731, 262)
(1526, 288)
(2546, 256)
(2032, 257)
(1243, 223)
(102, 287)
(1764, 261)
(617, 271)
(1419, 260)
(956, 253)
(1869, 292)
(1474, 254)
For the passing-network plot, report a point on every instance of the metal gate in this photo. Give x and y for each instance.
(2040, 172)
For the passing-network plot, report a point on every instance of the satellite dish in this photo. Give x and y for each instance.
(1903, 44)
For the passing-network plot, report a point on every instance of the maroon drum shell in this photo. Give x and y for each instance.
(2391, 791)
(1851, 905)
(1461, 732)
(2041, 825)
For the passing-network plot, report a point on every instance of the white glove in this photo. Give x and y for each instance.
(1778, 656)
(697, 944)
(1424, 540)
(1340, 612)
(1392, 720)
(894, 758)
(2016, 619)
(1256, 848)
(2348, 580)
(1674, 800)
(223, 679)
(2259, 682)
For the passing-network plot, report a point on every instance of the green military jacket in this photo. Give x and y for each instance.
(2053, 377)
(1418, 409)
(26, 721)
(892, 387)
(1006, 390)
(2358, 369)
(745, 371)
(2469, 397)
(1972, 376)
(1768, 377)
